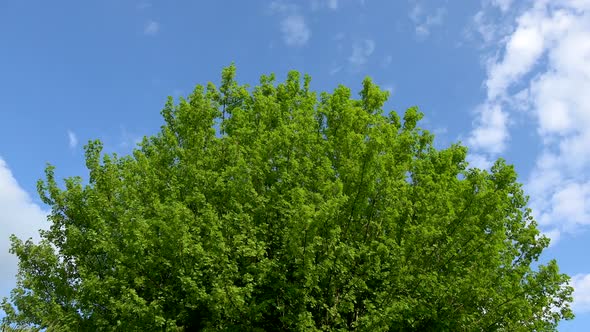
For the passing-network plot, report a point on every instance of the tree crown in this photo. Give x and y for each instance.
(277, 208)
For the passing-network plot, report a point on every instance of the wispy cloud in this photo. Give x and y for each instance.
(128, 140)
(335, 69)
(361, 51)
(387, 60)
(426, 21)
(319, 4)
(490, 29)
(295, 30)
(72, 139)
(151, 28)
(282, 7)
(143, 5)
(20, 216)
(333, 4)
(504, 5)
(389, 88)
(294, 27)
(483, 28)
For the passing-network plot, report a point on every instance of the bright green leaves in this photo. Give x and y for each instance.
(411, 118)
(372, 97)
(272, 209)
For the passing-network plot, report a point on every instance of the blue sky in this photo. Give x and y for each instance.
(507, 78)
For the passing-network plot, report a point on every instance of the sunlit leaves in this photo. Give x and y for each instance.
(276, 208)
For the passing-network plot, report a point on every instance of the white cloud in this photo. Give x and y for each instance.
(571, 202)
(151, 28)
(425, 22)
(491, 130)
(361, 51)
(545, 57)
(522, 51)
(560, 184)
(72, 139)
(554, 235)
(480, 161)
(581, 285)
(19, 216)
(294, 27)
(559, 201)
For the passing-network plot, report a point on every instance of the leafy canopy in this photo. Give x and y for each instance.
(275, 208)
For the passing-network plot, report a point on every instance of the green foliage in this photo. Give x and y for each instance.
(273, 208)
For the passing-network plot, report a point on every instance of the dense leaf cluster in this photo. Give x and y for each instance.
(275, 208)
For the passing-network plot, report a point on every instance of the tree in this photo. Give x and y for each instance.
(275, 208)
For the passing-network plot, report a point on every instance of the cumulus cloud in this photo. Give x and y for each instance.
(491, 130)
(20, 216)
(581, 285)
(560, 183)
(151, 28)
(72, 139)
(293, 25)
(424, 21)
(522, 52)
(361, 51)
(543, 67)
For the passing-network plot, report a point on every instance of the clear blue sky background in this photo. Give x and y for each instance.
(508, 79)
